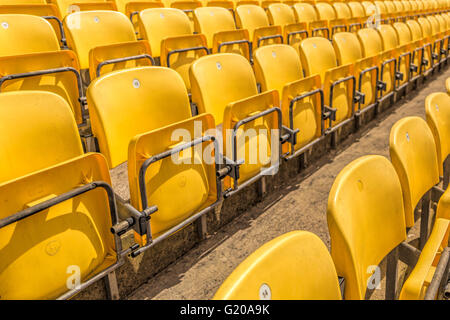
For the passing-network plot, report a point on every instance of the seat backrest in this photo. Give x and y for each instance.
(317, 56)
(435, 27)
(251, 17)
(443, 208)
(89, 29)
(305, 12)
(425, 24)
(326, 11)
(371, 42)
(210, 20)
(399, 6)
(342, 10)
(277, 65)
(390, 7)
(280, 14)
(365, 219)
(296, 266)
(38, 130)
(416, 30)
(380, 7)
(404, 34)
(159, 23)
(67, 7)
(347, 47)
(437, 109)
(220, 79)
(128, 102)
(357, 9)
(447, 85)
(389, 36)
(413, 154)
(26, 34)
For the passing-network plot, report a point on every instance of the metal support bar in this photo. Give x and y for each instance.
(408, 254)
(269, 37)
(440, 277)
(424, 219)
(391, 274)
(61, 29)
(203, 48)
(291, 34)
(313, 33)
(118, 60)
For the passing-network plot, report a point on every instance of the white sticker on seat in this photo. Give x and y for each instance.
(136, 83)
(264, 292)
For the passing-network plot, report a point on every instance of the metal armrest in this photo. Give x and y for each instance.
(184, 50)
(275, 36)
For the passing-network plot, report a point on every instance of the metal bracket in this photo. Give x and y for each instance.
(359, 97)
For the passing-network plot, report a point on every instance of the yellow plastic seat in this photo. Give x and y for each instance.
(157, 108)
(418, 37)
(217, 24)
(365, 219)
(402, 53)
(34, 48)
(328, 13)
(104, 39)
(416, 285)
(318, 57)
(344, 13)
(372, 45)
(278, 67)
(296, 266)
(71, 234)
(348, 51)
(211, 77)
(447, 85)
(282, 15)
(413, 154)
(306, 13)
(430, 39)
(188, 6)
(131, 9)
(169, 33)
(41, 8)
(254, 19)
(411, 48)
(67, 7)
(437, 109)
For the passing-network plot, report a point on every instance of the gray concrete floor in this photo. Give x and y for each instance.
(299, 205)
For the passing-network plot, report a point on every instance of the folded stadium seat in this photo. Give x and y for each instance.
(444, 34)
(104, 41)
(391, 11)
(217, 24)
(52, 229)
(188, 6)
(372, 45)
(447, 85)
(168, 152)
(250, 123)
(374, 224)
(327, 12)
(338, 82)
(366, 71)
(402, 53)
(414, 8)
(40, 8)
(294, 266)
(413, 49)
(414, 156)
(131, 9)
(439, 35)
(358, 12)
(227, 4)
(254, 19)
(306, 13)
(423, 282)
(429, 35)
(344, 13)
(437, 109)
(32, 60)
(278, 67)
(382, 11)
(171, 39)
(406, 10)
(427, 47)
(280, 14)
(66, 7)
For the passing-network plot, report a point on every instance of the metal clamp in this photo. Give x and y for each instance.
(359, 98)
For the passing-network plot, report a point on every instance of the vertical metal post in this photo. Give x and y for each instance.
(262, 187)
(112, 290)
(391, 274)
(202, 227)
(424, 219)
(446, 173)
(333, 139)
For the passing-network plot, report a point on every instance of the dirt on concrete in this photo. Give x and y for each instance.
(300, 204)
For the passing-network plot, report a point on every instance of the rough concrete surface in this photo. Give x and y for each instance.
(299, 204)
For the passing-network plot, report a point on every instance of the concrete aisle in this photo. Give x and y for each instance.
(299, 205)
